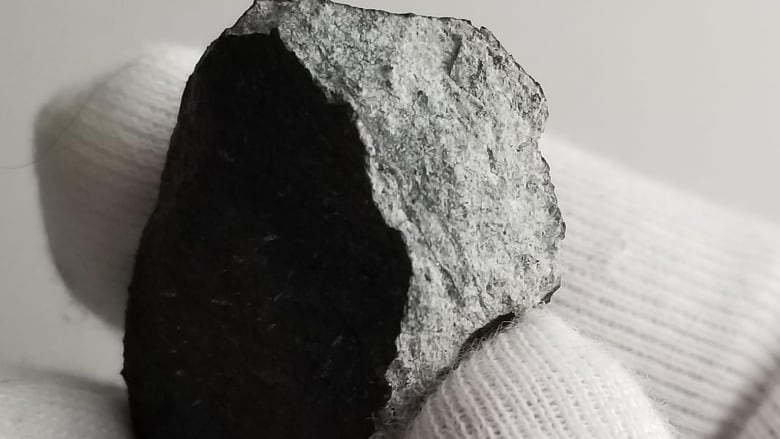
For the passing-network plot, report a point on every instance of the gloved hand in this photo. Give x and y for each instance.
(678, 293)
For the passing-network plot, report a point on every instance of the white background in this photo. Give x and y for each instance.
(686, 92)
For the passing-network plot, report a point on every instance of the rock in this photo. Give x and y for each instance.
(349, 195)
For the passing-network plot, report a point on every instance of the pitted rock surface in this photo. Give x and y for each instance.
(349, 195)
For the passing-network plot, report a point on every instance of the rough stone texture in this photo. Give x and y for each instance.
(349, 195)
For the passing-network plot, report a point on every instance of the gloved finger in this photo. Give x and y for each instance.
(99, 155)
(539, 378)
(40, 406)
(685, 292)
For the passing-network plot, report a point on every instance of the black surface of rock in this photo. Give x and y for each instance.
(268, 290)
(351, 198)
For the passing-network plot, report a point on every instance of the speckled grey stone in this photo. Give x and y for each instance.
(451, 123)
(350, 201)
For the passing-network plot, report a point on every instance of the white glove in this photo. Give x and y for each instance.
(680, 292)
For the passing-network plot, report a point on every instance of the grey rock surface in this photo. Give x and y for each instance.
(351, 200)
(450, 122)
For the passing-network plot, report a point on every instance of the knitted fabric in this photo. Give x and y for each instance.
(685, 293)
(538, 379)
(100, 152)
(35, 405)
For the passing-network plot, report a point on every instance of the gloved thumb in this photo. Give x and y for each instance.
(538, 379)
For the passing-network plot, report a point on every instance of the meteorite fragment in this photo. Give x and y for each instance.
(348, 196)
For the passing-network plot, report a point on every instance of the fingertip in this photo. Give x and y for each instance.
(100, 149)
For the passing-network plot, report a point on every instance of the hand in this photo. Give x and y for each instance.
(688, 302)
